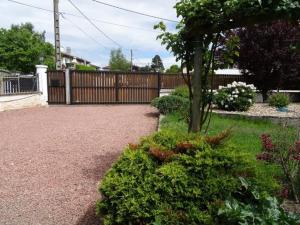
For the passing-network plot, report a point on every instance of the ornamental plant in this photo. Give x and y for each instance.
(237, 96)
(285, 152)
(279, 100)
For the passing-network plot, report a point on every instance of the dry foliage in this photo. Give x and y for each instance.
(161, 155)
(218, 139)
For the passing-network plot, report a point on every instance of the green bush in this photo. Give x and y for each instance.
(150, 186)
(171, 104)
(86, 68)
(237, 96)
(182, 91)
(279, 100)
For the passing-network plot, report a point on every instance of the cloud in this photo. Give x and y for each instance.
(142, 39)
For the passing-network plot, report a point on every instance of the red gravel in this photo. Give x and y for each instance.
(53, 158)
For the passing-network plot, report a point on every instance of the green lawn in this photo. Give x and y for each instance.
(245, 138)
(246, 132)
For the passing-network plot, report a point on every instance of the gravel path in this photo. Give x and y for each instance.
(266, 110)
(53, 158)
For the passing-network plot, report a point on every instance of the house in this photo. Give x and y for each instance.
(69, 59)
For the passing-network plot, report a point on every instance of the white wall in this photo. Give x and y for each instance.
(13, 102)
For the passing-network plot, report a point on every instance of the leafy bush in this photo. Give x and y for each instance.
(237, 96)
(171, 104)
(171, 178)
(84, 67)
(279, 100)
(285, 153)
(182, 91)
(252, 207)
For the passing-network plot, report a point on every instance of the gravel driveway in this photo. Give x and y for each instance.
(53, 158)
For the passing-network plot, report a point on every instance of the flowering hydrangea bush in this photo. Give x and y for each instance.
(237, 96)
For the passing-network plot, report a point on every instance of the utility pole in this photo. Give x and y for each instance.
(57, 36)
(131, 59)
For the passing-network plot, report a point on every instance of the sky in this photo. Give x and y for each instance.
(95, 47)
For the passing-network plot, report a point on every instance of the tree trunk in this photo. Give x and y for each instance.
(197, 88)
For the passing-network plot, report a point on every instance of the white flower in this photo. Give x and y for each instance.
(221, 87)
(231, 98)
(229, 85)
(222, 102)
(235, 96)
(243, 90)
(250, 100)
(226, 106)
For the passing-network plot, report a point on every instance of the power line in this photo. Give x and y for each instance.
(74, 15)
(136, 12)
(79, 28)
(93, 24)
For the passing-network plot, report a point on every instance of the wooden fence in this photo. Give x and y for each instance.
(56, 87)
(107, 87)
(97, 87)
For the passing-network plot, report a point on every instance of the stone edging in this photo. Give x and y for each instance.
(290, 121)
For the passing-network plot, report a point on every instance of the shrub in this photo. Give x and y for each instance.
(170, 178)
(182, 91)
(171, 104)
(84, 67)
(252, 207)
(284, 152)
(279, 100)
(237, 96)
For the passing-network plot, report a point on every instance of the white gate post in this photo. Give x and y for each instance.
(41, 72)
(68, 86)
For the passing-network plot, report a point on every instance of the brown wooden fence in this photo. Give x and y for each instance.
(97, 87)
(56, 87)
(94, 87)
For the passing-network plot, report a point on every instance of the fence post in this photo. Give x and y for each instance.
(41, 72)
(117, 86)
(68, 86)
(158, 83)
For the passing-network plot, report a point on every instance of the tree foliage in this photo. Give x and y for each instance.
(118, 61)
(157, 64)
(21, 48)
(268, 54)
(202, 22)
(173, 69)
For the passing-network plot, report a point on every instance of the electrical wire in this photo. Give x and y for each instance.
(135, 12)
(78, 16)
(93, 24)
(85, 33)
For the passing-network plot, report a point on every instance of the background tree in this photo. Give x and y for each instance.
(118, 61)
(202, 22)
(157, 64)
(174, 69)
(21, 48)
(268, 55)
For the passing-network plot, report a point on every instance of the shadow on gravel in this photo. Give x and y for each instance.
(96, 172)
(89, 218)
(152, 114)
(100, 165)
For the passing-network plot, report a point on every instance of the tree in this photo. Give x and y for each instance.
(268, 54)
(21, 48)
(202, 23)
(157, 64)
(118, 61)
(173, 69)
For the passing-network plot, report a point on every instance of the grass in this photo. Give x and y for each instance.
(246, 132)
(245, 137)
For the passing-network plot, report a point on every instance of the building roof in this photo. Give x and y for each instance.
(64, 54)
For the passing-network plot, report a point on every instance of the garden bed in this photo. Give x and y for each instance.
(264, 111)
